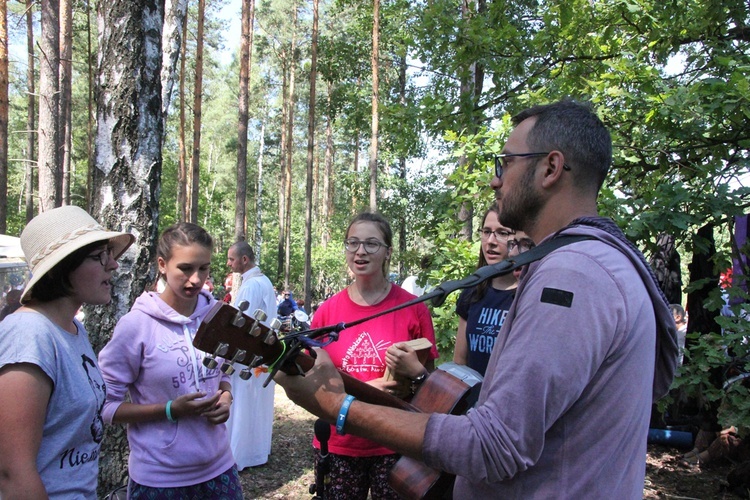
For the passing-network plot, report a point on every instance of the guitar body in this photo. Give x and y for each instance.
(227, 333)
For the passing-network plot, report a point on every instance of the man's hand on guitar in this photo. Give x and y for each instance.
(320, 391)
(384, 385)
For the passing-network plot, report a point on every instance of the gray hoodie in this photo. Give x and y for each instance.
(564, 410)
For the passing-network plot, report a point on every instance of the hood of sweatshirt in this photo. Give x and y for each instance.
(666, 336)
(151, 304)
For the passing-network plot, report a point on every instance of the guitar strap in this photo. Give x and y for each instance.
(439, 293)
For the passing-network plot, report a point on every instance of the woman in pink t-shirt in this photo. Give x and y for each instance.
(358, 465)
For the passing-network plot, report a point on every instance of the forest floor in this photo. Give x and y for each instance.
(289, 473)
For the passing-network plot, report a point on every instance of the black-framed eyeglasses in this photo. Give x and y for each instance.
(371, 246)
(500, 234)
(103, 257)
(501, 162)
(523, 245)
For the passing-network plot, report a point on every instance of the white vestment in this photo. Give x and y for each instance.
(250, 421)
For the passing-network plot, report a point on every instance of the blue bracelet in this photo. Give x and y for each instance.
(343, 412)
(169, 412)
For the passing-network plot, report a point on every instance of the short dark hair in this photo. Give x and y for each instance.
(677, 310)
(55, 283)
(572, 128)
(243, 248)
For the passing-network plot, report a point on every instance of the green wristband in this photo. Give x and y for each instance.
(169, 412)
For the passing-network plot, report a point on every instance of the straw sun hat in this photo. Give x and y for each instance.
(53, 235)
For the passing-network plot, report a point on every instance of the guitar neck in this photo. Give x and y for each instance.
(225, 326)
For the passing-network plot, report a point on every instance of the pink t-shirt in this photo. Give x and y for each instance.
(360, 350)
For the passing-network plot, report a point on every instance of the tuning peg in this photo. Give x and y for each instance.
(210, 360)
(255, 363)
(239, 318)
(228, 367)
(259, 315)
(270, 337)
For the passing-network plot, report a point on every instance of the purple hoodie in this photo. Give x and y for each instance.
(151, 358)
(564, 409)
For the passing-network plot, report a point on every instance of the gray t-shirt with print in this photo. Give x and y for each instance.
(68, 458)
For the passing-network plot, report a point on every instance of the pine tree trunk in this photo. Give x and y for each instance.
(246, 43)
(30, 112)
(3, 117)
(128, 174)
(259, 195)
(49, 108)
(328, 172)
(374, 122)
(90, 64)
(290, 150)
(197, 117)
(182, 198)
(66, 94)
(282, 170)
(311, 155)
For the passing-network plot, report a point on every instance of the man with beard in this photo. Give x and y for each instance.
(587, 345)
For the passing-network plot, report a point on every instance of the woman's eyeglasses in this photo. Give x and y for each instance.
(371, 246)
(103, 257)
(523, 245)
(500, 234)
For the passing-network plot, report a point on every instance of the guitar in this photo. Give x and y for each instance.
(228, 336)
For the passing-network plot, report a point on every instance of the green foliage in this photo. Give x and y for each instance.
(670, 80)
(456, 259)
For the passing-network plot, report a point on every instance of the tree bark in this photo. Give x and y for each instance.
(182, 197)
(50, 172)
(282, 170)
(175, 13)
(197, 111)
(259, 194)
(290, 149)
(66, 95)
(311, 155)
(128, 172)
(4, 104)
(402, 173)
(374, 122)
(90, 64)
(30, 112)
(246, 45)
(328, 173)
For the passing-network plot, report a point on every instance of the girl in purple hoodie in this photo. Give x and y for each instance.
(179, 446)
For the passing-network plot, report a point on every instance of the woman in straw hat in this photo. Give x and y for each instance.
(176, 410)
(51, 390)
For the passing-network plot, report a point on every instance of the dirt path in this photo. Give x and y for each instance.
(288, 473)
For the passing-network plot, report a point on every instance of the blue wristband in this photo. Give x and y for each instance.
(169, 412)
(343, 412)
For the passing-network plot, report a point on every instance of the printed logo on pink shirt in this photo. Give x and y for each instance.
(364, 356)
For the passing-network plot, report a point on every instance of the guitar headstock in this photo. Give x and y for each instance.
(228, 333)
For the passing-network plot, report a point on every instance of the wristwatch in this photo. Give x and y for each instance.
(416, 382)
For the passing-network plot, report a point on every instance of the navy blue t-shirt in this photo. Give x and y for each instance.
(483, 321)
